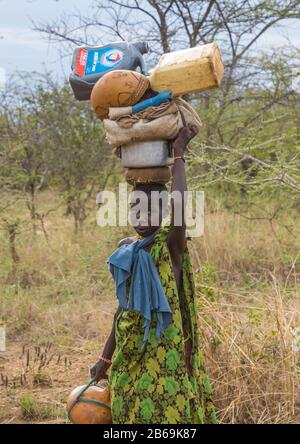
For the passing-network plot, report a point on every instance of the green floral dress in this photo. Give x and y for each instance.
(154, 387)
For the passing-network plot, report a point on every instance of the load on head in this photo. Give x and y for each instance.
(143, 114)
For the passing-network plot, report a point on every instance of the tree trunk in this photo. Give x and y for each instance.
(12, 233)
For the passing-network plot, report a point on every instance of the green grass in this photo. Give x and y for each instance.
(34, 410)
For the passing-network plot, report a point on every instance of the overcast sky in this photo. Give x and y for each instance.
(22, 49)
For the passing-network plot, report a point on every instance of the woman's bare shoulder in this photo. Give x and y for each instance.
(126, 241)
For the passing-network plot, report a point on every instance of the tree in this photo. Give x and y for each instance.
(22, 159)
(48, 137)
(77, 155)
(251, 115)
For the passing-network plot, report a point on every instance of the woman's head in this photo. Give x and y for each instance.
(148, 207)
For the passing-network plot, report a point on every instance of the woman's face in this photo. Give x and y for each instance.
(145, 218)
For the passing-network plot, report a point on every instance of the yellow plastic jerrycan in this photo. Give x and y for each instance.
(188, 70)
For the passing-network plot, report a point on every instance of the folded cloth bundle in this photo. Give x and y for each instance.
(161, 122)
(148, 175)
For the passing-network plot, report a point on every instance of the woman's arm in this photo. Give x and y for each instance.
(177, 237)
(98, 371)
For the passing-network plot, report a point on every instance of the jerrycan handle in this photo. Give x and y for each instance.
(142, 48)
(142, 65)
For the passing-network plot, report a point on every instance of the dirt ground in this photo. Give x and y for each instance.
(36, 380)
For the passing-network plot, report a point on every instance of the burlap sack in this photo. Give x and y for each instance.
(148, 175)
(188, 114)
(164, 128)
(154, 123)
(126, 118)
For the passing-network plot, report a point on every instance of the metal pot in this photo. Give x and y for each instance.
(154, 153)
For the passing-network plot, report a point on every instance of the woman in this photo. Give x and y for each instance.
(161, 380)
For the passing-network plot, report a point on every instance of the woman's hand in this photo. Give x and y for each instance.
(183, 138)
(98, 371)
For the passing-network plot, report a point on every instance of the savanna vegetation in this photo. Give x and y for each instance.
(57, 298)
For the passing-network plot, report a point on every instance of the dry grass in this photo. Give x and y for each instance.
(248, 311)
(58, 307)
(250, 356)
